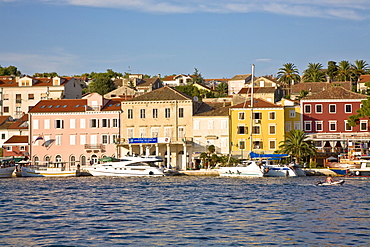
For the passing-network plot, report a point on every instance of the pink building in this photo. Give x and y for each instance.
(74, 131)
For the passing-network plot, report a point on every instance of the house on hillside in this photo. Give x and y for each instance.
(177, 80)
(16, 146)
(236, 83)
(361, 87)
(316, 87)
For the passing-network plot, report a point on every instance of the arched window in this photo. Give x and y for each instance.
(72, 160)
(83, 160)
(94, 159)
(36, 160)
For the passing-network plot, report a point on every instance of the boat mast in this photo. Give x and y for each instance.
(251, 116)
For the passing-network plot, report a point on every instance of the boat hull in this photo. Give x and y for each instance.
(29, 172)
(340, 182)
(125, 173)
(280, 171)
(7, 172)
(252, 170)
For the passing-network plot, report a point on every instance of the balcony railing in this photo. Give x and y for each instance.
(95, 147)
(185, 140)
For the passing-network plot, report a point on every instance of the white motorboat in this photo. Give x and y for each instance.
(127, 166)
(248, 169)
(48, 169)
(279, 171)
(7, 172)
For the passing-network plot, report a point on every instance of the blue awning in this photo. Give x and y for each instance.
(255, 155)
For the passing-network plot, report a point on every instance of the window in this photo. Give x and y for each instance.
(83, 160)
(272, 144)
(319, 126)
(223, 124)
(211, 124)
(257, 145)
(83, 123)
(272, 129)
(114, 139)
(22, 148)
(6, 96)
(242, 130)
(196, 125)
(363, 125)
(143, 132)
(59, 124)
(8, 148)
(130, 133)
(105, 123)
(224, 141)
(72, 140)
(130, 113)
(332, 126)
(241, 116)
(3, 136)
(297, 125)
(18, 98)
(347, 126)
(167, 113)
(307, 126)
(31, 96)
(318, 108)
(94, 123)
(155, 113)
(142, 113)
(82, 139)
(115, 123)
(288, 126)
(181, 112)
(58, 140)
(154, 131)
(241, 144)
(332, 108)
(72, 123)
(167, 132)
(307, 109)
(35, 124)
(181, 132)
(105, 139)
(348, 108)
(256, 130)
(272, 115)
(72, 160)
(47, 124)
(257, 115)
(6, 109)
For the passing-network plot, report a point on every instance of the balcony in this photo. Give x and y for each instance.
(94, 148)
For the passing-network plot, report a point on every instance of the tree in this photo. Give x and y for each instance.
(360, 67)
(297, 145)
(314, 73)
(363, 112)
(332, 70)
(197, 77)
(9, 71)
(302, 94)
(222, 89)
(102, 84)
(288, 75)
(344, 71)
(46, 74)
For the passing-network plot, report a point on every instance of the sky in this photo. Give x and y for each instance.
(221, 38)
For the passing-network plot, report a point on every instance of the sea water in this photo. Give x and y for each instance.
(183, 211)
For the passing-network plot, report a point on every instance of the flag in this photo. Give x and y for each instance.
(38, 138)
(48, 143)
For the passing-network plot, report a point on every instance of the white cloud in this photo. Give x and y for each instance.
(263, 59)
(344, 9)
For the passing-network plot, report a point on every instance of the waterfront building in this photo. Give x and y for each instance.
(211, 127)
(325, 120)
(74, 131)
(256, 128)
(18, 95)
(159, 123)
(292, 114)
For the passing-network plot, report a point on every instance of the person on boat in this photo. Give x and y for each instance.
(329, 179)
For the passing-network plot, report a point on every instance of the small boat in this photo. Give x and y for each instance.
(279, 171)
(48, 169)
(363, 171)
(7, 167)
(248, 169)
(128, 166)
(339, 182)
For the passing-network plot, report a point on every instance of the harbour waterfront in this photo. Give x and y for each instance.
(183, 210)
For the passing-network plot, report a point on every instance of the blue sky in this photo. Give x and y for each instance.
(221, 38)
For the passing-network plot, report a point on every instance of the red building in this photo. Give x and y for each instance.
(16, 146)
(325, 119)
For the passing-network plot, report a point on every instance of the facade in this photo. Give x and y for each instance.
(177, 80)
(256, 128)
(75, 131)
(325, 120)
(16, 146)
(361, 87)
(211, 127)
(236, 83)
(292, 114)
(159, 123)
(18, 95)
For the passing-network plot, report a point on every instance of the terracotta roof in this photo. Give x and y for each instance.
(315, 87)
(113, 104)
(241, 77)
(17, 139)
(336, 93)
(64, 105)
(247, 90)
(257, 103)
(214, 109)
(164, 93)
(364, 78)
(42, 81)
(21, 123)
(146, 82)
(6, 125)
(169, 78)
(4, 119)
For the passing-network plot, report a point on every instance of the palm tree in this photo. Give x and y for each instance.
(360, 67)
(314, 73)
(297, 145)
(222, 89)
(288, 75)
(344, 71)
(332, 70)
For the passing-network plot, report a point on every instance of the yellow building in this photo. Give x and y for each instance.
(258, 128)
(292, 114)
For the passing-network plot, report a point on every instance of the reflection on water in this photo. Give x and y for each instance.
(190, 211)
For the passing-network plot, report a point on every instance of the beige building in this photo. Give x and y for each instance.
(238, 82)
(18, 95)
(159, 123)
